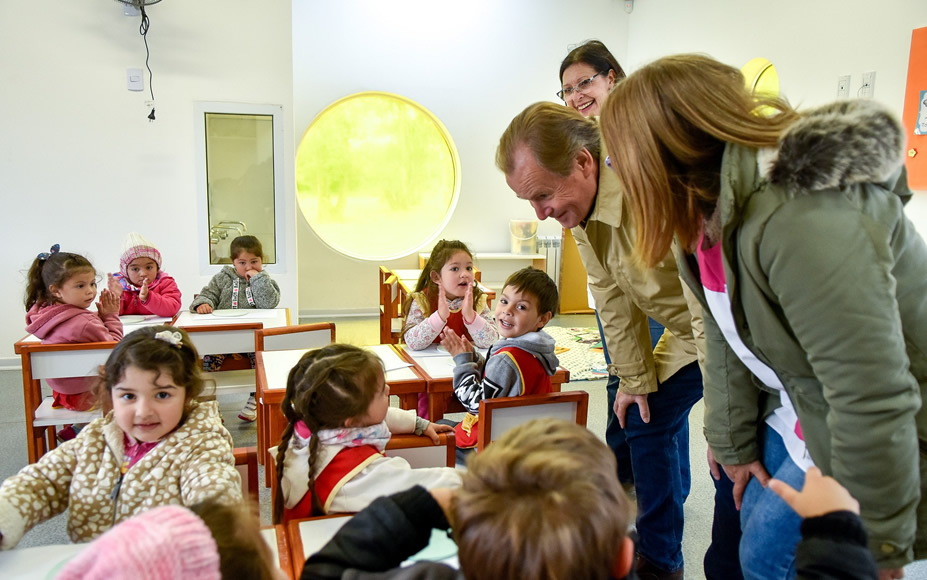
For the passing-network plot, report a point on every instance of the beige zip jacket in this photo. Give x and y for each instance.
(626, 293)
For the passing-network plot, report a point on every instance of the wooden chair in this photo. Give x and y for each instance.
(418, 450)
(392, 296)
(499, 415)
(270, 421)
(55, 361)
(246, 463)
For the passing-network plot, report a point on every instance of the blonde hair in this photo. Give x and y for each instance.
(554, 134)
(543, 501)
(666, 127)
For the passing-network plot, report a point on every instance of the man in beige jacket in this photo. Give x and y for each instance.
(553, 158)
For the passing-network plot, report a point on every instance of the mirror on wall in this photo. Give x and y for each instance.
(239, 182)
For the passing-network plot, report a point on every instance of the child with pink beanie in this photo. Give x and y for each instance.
(207, 541)
(141, 285)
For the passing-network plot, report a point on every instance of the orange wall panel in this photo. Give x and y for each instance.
(917, 82)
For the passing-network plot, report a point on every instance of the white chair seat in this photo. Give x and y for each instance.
(46, 416)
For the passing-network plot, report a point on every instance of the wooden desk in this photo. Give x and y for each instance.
(306, 537)
(273, 367)
(278, 542)
(55, 361)
(438, 370)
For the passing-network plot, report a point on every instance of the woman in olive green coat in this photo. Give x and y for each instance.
(813, 283)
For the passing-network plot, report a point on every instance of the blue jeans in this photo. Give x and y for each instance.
(614, 434)
(771, 529)
(660, 458)
(722, 559)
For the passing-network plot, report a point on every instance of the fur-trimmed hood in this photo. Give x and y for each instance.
(837, 145)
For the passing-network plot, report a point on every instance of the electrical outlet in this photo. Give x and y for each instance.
(843, 87)
(867, 89)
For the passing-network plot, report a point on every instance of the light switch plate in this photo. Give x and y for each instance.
(135, 80)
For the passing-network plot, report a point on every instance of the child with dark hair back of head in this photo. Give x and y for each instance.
(244, 284)
(520, 363)
(156, 445)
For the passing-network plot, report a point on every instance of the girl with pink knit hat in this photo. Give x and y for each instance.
(141, 285)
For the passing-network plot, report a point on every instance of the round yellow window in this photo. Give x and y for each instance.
(377, 176)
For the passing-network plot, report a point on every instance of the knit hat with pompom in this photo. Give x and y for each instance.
(136, 246)
(161, 544)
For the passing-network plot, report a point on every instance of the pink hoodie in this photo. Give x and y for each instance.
(64, 323)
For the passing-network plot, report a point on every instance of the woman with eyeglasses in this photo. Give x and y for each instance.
(587, 74)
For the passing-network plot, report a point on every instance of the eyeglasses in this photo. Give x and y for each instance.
(580, 87)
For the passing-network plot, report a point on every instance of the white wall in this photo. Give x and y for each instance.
(79, 162)
(474, 64)
(811, 44)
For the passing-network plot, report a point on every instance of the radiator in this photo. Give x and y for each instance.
(550, 247)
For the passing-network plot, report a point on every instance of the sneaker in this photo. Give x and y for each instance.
(66, 434)
(249, 411)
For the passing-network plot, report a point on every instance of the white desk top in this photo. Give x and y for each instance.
(270, 318)
(314, 534)
(277, 365)
(436, 361)
(39, 563)
(130, 323)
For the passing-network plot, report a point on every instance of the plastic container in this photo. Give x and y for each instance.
(524, 236)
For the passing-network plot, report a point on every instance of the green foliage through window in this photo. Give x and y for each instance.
(377, 176)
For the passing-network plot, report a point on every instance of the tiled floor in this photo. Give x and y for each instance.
(698, 507)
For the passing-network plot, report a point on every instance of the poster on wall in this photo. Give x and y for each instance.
(921, 127)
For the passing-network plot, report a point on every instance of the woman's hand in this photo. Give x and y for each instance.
(204, 308)
(466, 309)
(455, 344)
(433, 429)
(108, 303)
(114, 286)
(444, 311)
(740, 475)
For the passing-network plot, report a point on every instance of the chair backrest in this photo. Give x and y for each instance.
(55, 361)
(420, 451)
(499, 415)
(301, 336)
(246, 463)
(392, 296)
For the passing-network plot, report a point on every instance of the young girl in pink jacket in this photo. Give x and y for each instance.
(61, 287)
(141, 285)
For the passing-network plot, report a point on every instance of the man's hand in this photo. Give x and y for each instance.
(623, 401)
(713, 466)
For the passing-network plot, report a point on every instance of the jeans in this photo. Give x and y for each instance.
(660, 458)
(722, 559)
(771, 529)
(614, 434)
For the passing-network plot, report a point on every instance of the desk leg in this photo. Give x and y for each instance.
(276, 424)
(437, 403)
(408, 401)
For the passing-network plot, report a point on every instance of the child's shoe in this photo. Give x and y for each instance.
(249, 411)
(66, 434)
